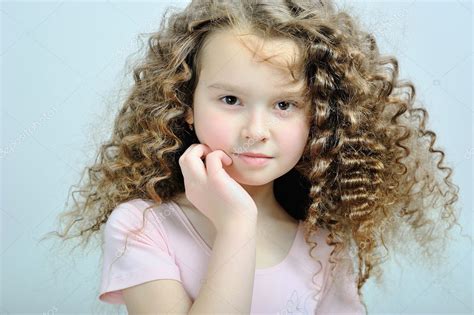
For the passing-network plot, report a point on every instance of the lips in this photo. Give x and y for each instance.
(254, 161)
(255, 155)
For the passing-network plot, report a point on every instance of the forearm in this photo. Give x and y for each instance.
(228, 286)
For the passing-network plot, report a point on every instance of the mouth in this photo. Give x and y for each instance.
(254, 154)
(253, 160)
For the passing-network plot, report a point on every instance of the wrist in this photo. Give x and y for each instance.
(241, 222)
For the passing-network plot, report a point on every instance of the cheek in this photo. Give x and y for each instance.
(293, 142)
(212, 130)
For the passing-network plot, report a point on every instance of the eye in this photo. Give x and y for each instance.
(285, 109)
(228, 97)
(289, 102)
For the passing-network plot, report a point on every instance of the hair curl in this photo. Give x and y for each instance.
(368, 173)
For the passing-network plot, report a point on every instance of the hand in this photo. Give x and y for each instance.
(211, 190)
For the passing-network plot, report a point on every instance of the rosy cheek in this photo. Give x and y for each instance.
(213, 131)
(295, 141)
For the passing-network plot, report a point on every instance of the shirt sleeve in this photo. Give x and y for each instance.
(339, 294)
(134, 251)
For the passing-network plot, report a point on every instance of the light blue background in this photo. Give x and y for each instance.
(64, 74)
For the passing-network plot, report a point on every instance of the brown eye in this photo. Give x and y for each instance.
(227, 97)
(285, 109)
(230, 100)
(284, 103)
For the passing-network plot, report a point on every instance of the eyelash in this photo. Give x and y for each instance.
(294, 103)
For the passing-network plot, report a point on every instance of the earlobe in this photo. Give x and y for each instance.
(189, 117)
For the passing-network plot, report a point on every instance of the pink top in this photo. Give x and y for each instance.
(170, 248)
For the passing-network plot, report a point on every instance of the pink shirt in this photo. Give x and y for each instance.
(170, 248)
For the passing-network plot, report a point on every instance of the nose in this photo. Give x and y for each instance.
(256, 126)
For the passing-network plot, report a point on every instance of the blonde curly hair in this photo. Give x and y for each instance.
(369, 173)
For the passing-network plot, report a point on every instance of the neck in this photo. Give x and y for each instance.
(264, 198)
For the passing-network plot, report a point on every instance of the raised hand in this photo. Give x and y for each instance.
(211, 190)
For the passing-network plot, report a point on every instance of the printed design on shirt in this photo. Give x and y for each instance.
(298, 304)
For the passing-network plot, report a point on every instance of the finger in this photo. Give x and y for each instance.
(215, 161)
(194, 166)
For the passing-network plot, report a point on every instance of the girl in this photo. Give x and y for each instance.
(266, 160)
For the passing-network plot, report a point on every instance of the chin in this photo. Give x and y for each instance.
(250, 182)
(250, 179)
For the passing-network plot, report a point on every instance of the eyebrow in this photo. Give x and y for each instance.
(232, 88)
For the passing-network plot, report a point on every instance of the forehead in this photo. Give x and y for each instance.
(238, 56)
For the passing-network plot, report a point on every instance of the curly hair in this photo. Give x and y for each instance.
(369, 172)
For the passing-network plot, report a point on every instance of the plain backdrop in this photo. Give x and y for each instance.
(64, 73)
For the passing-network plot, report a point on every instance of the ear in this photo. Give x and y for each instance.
(189, 116)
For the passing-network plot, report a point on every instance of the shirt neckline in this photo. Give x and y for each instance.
(208, 249)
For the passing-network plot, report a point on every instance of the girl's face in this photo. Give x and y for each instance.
(242, 105)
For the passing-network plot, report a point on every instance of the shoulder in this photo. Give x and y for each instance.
(138, 224)
(324, 249)
(137, 214)
(319, 236)
(135, 209)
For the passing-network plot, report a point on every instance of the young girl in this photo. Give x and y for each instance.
(265, 161)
